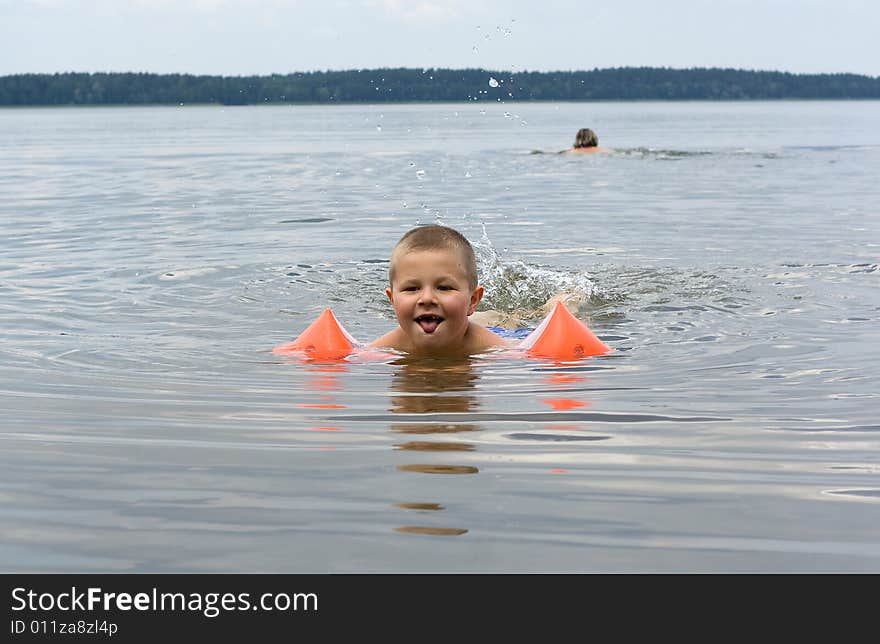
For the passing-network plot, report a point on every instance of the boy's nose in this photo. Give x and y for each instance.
(427, 295)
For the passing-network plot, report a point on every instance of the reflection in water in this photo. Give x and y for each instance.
(420, 529)
(420, 506)
(433, 428)
(565, 403)
(324, 378)
(564, 381)
(423, 446)
(438, 469)
(426, 387)
(447, 389)
(323, 383)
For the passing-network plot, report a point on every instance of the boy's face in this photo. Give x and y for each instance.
(432, 299)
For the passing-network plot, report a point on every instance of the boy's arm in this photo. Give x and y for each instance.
(482, 338)
(390, 340)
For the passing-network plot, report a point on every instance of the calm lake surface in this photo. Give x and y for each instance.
(151, 258)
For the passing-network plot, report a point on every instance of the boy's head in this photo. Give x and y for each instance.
(436, 237)
(433, 290)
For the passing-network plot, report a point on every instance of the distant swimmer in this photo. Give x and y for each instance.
(586, 142)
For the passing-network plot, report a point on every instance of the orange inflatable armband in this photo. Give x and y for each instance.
(562, 336)
(324, 339)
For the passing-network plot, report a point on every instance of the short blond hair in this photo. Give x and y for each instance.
(436, 237)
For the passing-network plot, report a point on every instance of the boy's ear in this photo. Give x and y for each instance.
(389, 295)
(476, 296)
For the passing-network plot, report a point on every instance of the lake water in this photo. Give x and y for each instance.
(151, 258)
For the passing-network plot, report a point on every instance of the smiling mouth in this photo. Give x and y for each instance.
(429, 323)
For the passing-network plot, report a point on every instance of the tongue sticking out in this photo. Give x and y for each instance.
(428, 324)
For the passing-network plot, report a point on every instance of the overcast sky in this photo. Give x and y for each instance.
(242, 37)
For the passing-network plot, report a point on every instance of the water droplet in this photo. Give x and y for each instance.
(378, 128)
(474, 49)
(507, 115)
(420, 174)
(493, 82)
(404, 205)
(467, 175)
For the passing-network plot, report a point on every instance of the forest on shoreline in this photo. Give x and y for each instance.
(404, 85)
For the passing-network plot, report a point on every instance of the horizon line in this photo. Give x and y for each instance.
(450, 69)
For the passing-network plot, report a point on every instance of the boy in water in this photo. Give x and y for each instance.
(434, 291)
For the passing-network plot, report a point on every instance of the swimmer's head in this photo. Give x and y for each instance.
(586, 138)
(435, 237)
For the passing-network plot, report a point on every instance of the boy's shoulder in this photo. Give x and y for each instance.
(391, 340)
(482, 338)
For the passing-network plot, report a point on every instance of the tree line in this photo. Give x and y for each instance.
(414, 85)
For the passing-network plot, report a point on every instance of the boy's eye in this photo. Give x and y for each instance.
(444, 287)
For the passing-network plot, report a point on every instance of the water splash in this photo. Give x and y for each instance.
(517, 285)
(651, 153)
